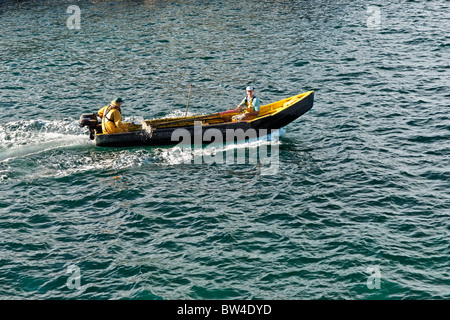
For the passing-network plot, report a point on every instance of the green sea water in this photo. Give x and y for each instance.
(358, 207)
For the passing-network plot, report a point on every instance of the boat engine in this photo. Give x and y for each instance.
(90, 121)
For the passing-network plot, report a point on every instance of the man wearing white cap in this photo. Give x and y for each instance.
(250, 106)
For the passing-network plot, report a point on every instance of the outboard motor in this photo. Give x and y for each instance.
(90, 121)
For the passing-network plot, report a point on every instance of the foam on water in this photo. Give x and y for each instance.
(35, 140)
(30, 137)
(43, 142)
(39, 142)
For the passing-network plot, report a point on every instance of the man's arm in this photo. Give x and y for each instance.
(241, 106)
(100, 112)
(252, 114)
(119, 123)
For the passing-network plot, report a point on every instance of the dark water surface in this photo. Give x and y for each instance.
(358, 208)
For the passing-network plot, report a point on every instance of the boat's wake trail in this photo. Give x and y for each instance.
(35, 149)
(24, 138)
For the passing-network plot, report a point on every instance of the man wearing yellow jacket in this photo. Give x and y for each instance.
(111, 116)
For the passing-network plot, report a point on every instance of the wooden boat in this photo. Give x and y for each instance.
(159, 132)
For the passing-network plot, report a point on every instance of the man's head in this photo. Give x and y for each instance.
(117, 102)
(250, 91)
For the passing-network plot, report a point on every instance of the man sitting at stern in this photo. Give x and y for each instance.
(111, 116)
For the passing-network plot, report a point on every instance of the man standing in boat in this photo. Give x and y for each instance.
(111, 116)
(250, 106)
